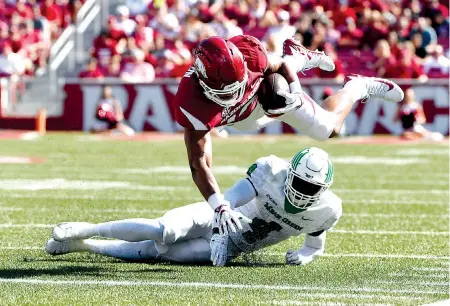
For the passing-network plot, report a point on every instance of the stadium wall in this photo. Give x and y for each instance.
(147, 107)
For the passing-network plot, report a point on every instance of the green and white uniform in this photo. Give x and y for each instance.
(274, 219)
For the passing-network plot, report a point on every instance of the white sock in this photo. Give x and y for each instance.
(134, 251)
(311, 119)
(189, 251)
(130, 230)
(297, 62)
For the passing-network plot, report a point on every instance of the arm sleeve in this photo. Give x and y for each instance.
(241, 193)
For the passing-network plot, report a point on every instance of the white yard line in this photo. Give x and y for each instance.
(393, 191)
(370, 232)
(340, 231)
(393, 202)
(193, 198)
(416, 275)
(384, 296)
(435, 269)
(292, 302)
(368, 255)
(162, 211)
(216, 285)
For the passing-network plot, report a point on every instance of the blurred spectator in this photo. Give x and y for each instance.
(437, 61)
(137, 6)
(109, 113)
(137, 70)
(12, 63)
(166, 23)
(406, 67)
(124, 22)
(92, 70)
(114, 68)
(351, 35)
(441, 25)
(305, 29)
(384, 57)
(426, 31)
(276, 35)
(411, 115)
(104, 47)
(417, 42)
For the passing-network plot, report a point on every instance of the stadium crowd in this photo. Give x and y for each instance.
(27, 30)
(145, 39)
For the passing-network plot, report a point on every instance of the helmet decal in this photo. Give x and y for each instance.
(200, 67)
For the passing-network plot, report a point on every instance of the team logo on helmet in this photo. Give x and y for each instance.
(200, 67)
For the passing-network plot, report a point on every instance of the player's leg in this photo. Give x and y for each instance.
(133, 251)
(323, 122)
(129, 230)
(195, 250)
(189, 251)
(186, 222)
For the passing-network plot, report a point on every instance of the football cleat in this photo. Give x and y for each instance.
(54, 247)
(315, 59)
(376, 87)
(71, 230)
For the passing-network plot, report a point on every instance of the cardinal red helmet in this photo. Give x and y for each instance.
(221, 70)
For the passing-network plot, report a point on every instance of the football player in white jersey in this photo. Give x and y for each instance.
(279, 199)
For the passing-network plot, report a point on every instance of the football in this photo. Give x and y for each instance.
(267, 93)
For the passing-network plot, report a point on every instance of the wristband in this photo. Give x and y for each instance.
(215, 200)
(295, 87)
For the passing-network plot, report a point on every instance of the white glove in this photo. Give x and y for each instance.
(219, 250)
(225, 217)
(292, 100)
(303, 256)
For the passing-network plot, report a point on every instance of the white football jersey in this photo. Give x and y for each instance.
(273, 218)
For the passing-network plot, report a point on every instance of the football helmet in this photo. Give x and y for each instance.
(221, 71)
(310, 173)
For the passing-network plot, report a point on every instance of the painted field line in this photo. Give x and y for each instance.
(367, 215)
(178, 284)
(384, 296)
(435, 269)
(414, 283)
(74, 209)
(162, 211)
(293, 302)
(13, 248)
(193, 198)
(395, 202)
(366, 255)
(393, 191)
(371, 232)
(340, 231)
(416, 275)
(189, 199)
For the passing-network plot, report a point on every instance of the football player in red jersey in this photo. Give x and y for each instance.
(220, 89)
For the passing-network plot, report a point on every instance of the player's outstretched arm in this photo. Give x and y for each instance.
(313, 247)
(199, 149)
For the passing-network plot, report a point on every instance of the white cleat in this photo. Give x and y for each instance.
(376, 87)
(72, 230)
(54, 247)
(315, 59)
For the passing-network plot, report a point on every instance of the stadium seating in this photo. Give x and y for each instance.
(27, 30)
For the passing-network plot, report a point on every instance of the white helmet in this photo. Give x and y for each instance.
(310, 173)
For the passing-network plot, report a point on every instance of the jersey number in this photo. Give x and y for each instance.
(260, 230)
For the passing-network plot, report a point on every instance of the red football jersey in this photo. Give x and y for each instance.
(193, 110)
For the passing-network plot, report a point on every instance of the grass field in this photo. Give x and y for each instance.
(391, 245)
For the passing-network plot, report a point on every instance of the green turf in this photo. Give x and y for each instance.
(408, 204)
